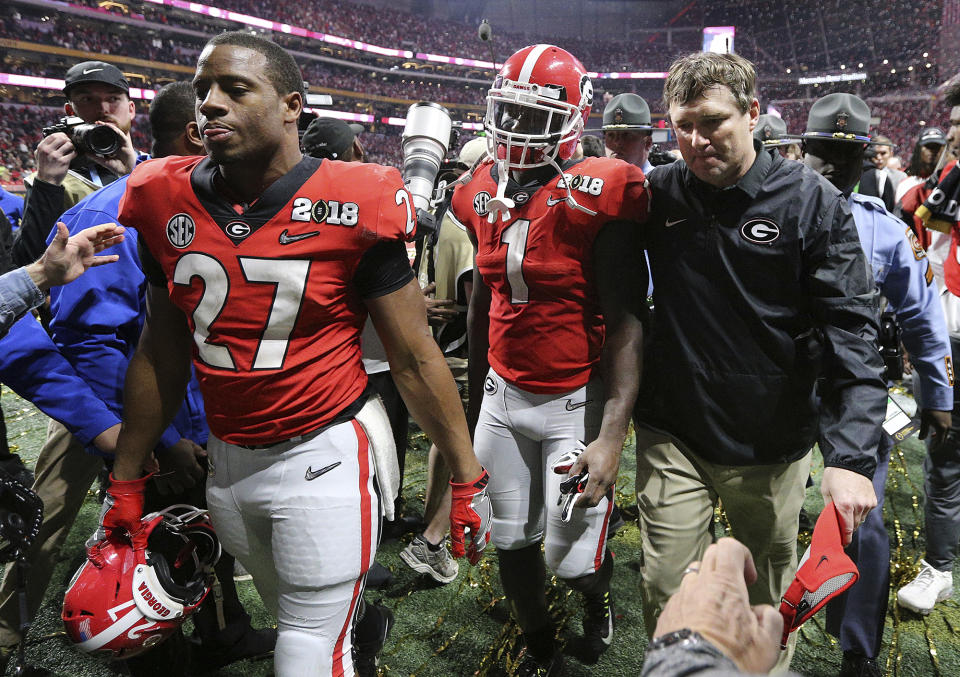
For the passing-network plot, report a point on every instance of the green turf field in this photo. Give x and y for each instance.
(464, 628)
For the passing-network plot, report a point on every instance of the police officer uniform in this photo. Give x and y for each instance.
(771, 131)
(905, 278)
(628, 113)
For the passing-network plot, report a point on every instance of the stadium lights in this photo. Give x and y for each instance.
(885, 62)
(265, 24)
(859, 65)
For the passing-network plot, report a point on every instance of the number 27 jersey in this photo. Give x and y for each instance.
(546, 326)
(273, 295)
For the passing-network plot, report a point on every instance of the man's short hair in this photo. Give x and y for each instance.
(951, 95)
(881, 140)
(592, 146)
(692, 75)
(282, 70)
(170, 111)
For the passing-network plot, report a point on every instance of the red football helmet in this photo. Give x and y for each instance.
(537, 107)
(131, 594)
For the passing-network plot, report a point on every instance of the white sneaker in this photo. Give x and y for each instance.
(929, 587)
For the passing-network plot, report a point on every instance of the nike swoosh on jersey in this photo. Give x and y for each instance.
(312, 474)
(570, 406)
(554, 201)
(290, 239)
(674, 222)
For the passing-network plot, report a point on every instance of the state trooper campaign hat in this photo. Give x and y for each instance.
(626, 112)
(771, 131)
(840, 117)
(95, 71)
(329, 137)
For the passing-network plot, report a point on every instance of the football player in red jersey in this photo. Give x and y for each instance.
(555, 336)
(263, 265)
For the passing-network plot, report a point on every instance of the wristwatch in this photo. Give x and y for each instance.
(687, 639)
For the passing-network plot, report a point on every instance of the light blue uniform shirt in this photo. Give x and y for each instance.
(904, 277)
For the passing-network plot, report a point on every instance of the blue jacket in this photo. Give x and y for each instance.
(97, 319)
(33, 367)
(903, 274)
(12, 206)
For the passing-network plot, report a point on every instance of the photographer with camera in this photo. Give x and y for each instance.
(89, 148)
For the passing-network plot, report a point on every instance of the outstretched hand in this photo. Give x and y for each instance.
(67, 258)
(713, 601)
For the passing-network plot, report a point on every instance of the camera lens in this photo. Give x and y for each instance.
(96, 140)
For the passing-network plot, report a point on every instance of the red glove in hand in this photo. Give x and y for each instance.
(125, 507)
(470, 510)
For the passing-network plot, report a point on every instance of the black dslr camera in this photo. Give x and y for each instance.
(657, 156)
(890, 348)
(87, 138)
(21, 513)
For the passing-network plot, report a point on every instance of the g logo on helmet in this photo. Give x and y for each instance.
(586, 91)
(760, 231)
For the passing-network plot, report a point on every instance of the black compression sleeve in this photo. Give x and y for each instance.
(383, 268)
(151, 268)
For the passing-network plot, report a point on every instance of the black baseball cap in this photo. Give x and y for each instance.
(329, 138)
(95, 71)
(932, 135)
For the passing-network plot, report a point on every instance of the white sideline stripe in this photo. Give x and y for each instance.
(530, 62)
(121, 626)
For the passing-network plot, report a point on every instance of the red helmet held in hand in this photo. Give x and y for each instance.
(132, 594)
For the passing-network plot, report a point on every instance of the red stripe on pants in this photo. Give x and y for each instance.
(598, 559)
(363, 462)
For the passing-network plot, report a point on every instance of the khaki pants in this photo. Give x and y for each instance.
(677, 492)
(64, 474)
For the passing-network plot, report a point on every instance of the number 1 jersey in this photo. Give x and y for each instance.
(546, 327)
(273, 292)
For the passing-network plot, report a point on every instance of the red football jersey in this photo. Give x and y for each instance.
(269, 293)
(546, 326)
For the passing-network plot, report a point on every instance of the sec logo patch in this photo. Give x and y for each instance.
(760, 231)
(480, 202)
(180, 230)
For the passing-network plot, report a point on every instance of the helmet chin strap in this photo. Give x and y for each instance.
(501, 204)
(570, 202)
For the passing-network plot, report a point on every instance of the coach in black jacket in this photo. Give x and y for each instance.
(760, 287)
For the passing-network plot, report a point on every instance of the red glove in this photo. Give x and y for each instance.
(123, 505)
(470, 510)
